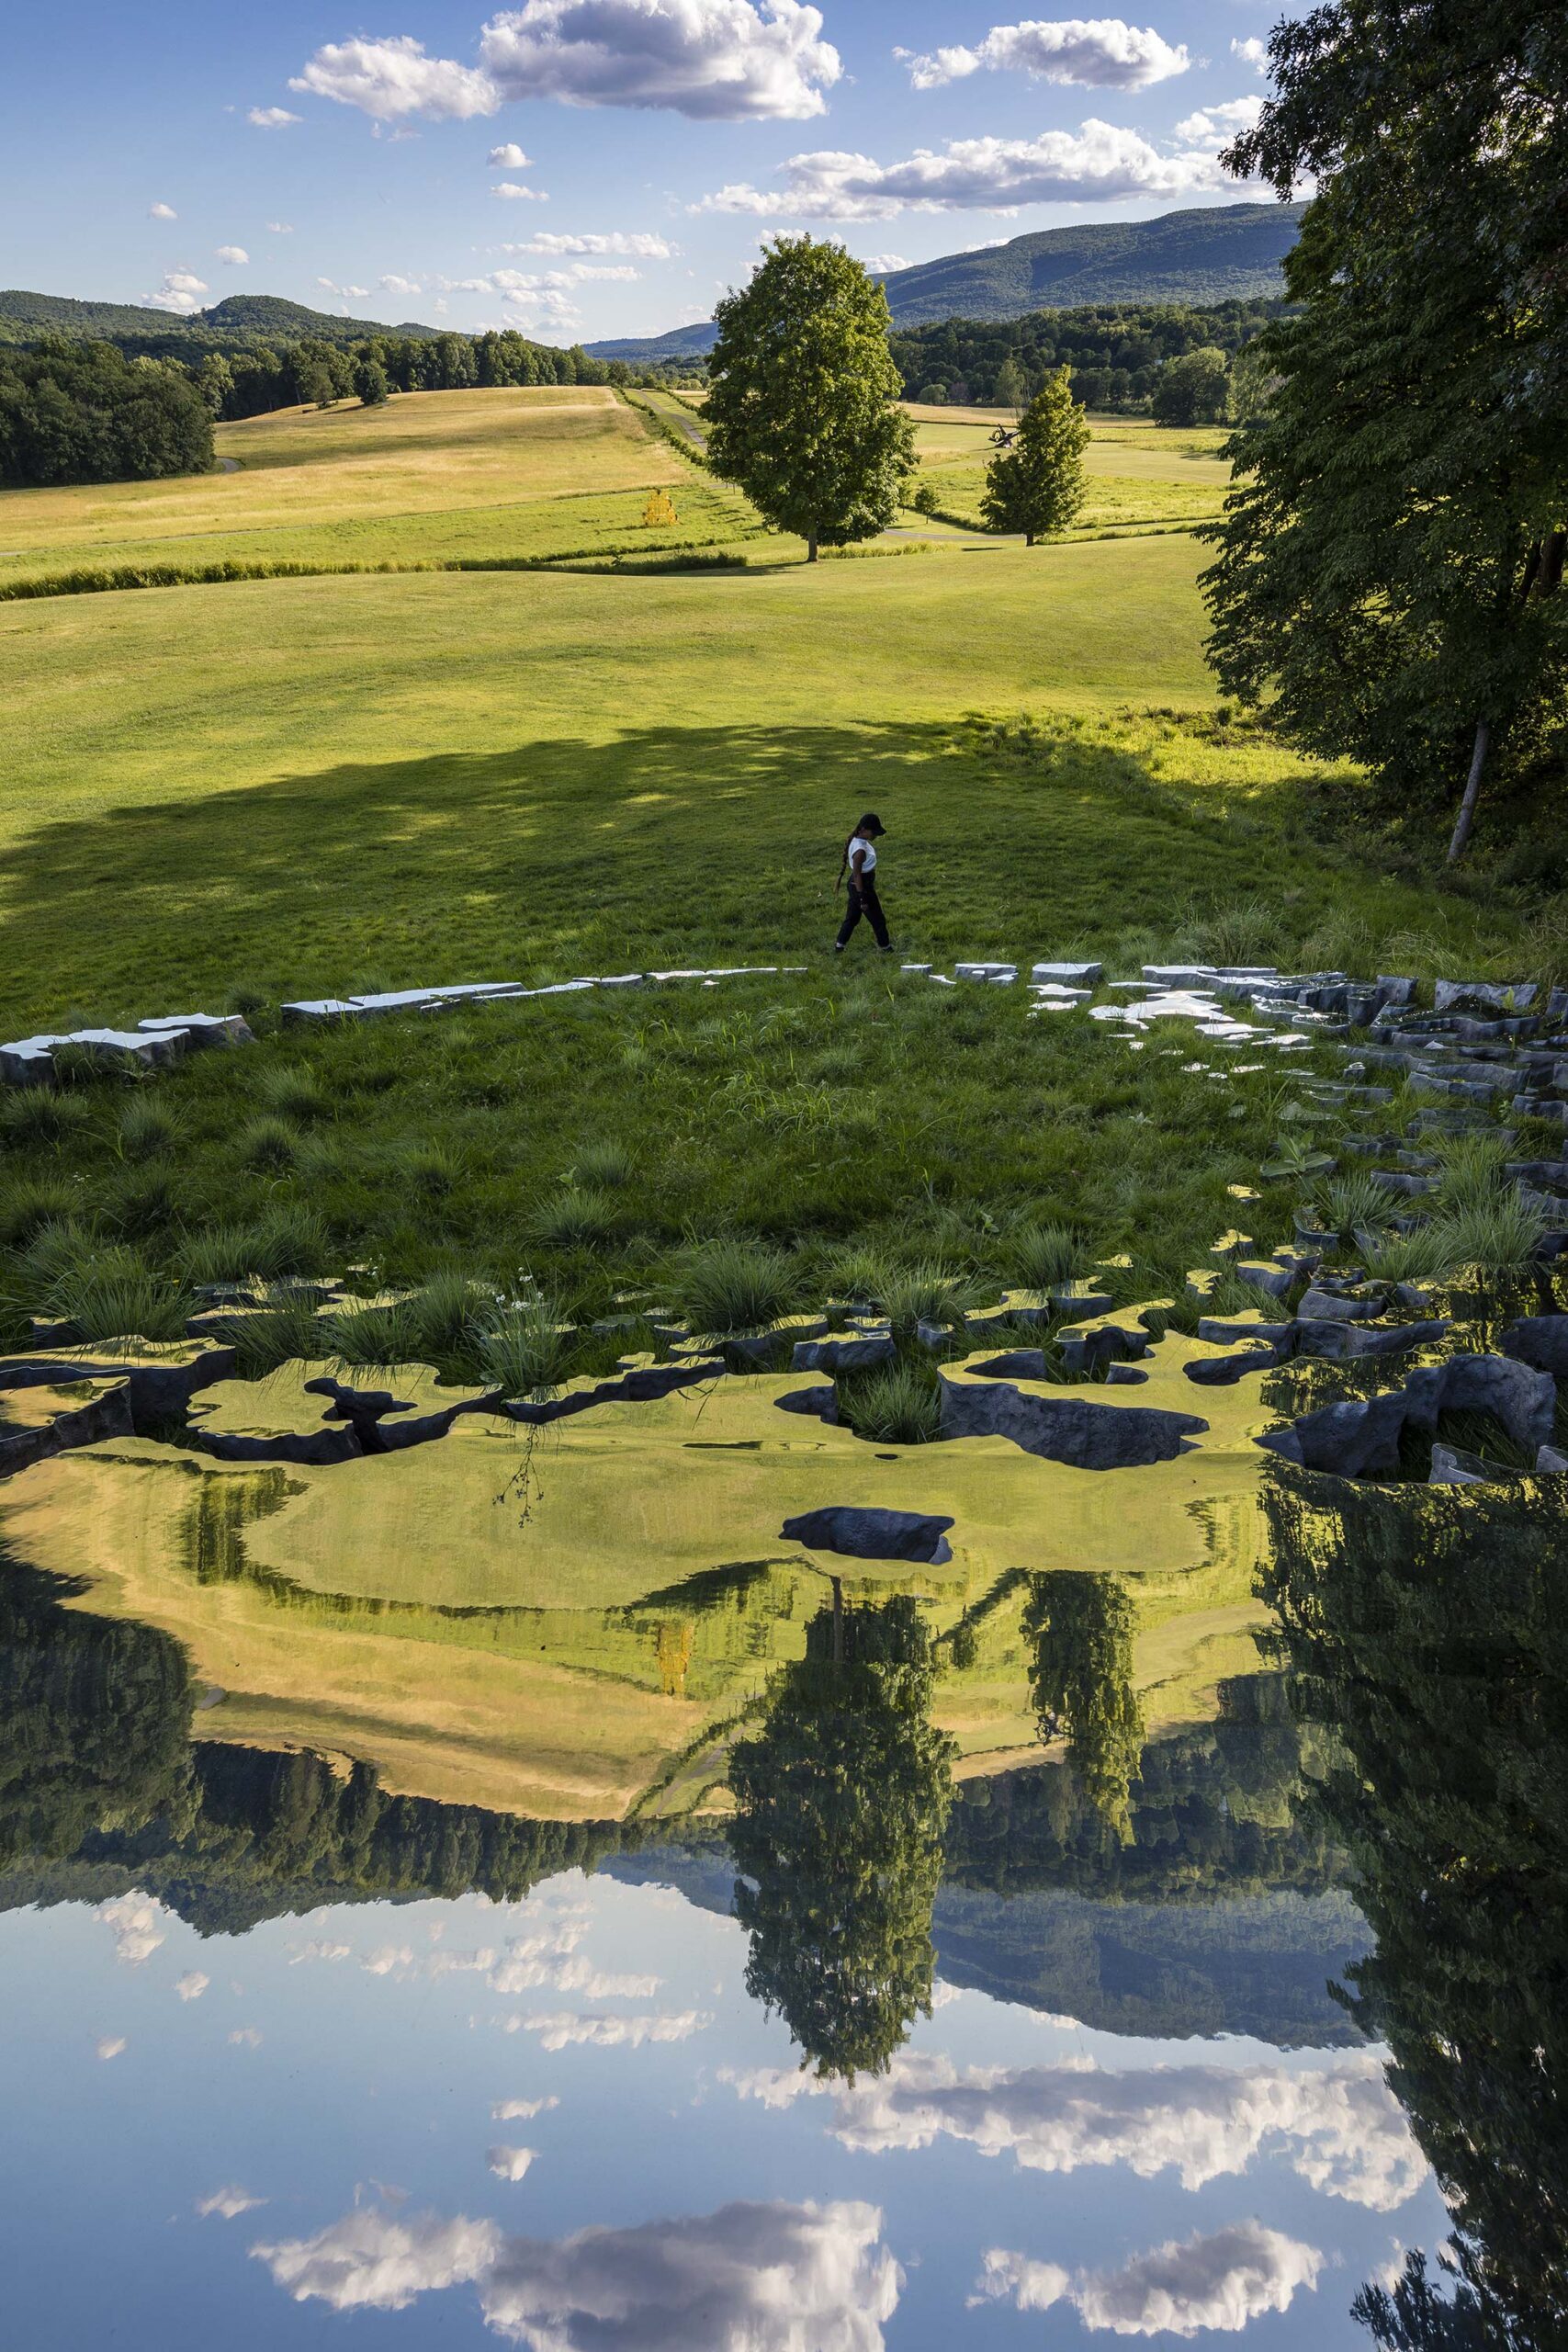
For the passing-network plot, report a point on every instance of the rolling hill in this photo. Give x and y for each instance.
(239, 320)
(1209, 254)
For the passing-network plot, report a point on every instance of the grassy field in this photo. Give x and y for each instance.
(1138, 473)
(243, 792)
(531, 472)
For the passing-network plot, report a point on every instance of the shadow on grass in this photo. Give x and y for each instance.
(667, 845)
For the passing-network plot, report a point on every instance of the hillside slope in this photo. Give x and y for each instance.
(240, 319)
(1214, 253)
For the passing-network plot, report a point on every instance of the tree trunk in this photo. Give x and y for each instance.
(1466, 819)
(1029, 538)
(811, 547)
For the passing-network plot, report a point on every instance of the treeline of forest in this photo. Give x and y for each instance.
(1115, 352)
(73, 411)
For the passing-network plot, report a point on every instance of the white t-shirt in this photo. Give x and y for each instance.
(868, 863)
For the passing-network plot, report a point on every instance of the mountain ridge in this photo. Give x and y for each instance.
(1205, 254)
(238, 319)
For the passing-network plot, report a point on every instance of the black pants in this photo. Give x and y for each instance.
(864, 901)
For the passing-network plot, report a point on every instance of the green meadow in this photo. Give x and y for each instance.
(234, 793)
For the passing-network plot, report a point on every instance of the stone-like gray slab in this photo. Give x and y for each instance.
(1066, 1426)
(842, 1356)
(1077, 976)
(204, 1028)
(868, 1532)
(311, 1012)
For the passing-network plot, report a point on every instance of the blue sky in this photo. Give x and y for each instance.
(585, 167)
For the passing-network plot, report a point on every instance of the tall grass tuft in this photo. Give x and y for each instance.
(1354, 1200)
(602, 1166)
(432, 1168)
(29, 1202)
(1499, 1234)
(523, 1349)
(373, 1335)
(285, 1239)
(146, 1128)
(113, 1294)
(898, 1404)
(926, 1292)
(285, 1330)
(293, 1092)
(727, 1287)
(578, 1218)
(1040, 1257)
(1473, 1171)
(269, 1143)
(35, 1115)
(1427, 1255)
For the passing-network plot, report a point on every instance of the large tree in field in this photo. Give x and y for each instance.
(1389, 566)
(802, 386)
(1036, 487)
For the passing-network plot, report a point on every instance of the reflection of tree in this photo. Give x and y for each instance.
(842, 1800)
(94, 1720)
(1080, 1678)
(1428, 1626)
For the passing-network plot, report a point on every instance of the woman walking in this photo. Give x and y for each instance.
(860, 867)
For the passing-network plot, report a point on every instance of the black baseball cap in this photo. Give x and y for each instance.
(870, 823)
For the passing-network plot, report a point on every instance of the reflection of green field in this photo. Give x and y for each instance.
(562, 1630)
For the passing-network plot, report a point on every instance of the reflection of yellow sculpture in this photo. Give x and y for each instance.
(660, 512)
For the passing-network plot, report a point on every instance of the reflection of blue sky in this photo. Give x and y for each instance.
(1012, 2165)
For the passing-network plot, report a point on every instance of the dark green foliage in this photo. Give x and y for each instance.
(1081, 1679)
(1428, 1627)
(1037, 486)
(370, 383)
(1390, 569)
(84, 413)
(800, 411)
(1193, 389)
(1115, 355)
(841, 1800)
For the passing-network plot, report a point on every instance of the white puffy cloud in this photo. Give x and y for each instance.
(109, 2045)
(522, 2110)
(1212, 122)
(271, 117)
(280, 228)
(710, 60)
(1253, 52)
(639, 245)
(229, 2202)
(509, 2164)
(378, 1963)
(192, 1985)
(385, 1957)
(1098, 161)
(1338, 2126)
(1222, 2282)
(880, 264)
(515, 192)
(774, 2277)
(1097, 52)
(161, 212)
(236, 255)
(181, 292)
(393, 77)
(374, 2261)
(394, 284)
(509, 157)
(559, 2028)
(140, 1924)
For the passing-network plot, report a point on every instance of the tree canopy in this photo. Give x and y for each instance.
(800, 406)
(81, 412)
(1389, 570)
(842, 1800)
(1037, 486)
(1080, 1678)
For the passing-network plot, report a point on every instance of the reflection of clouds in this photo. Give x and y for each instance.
(229, 2202)
(774, 2085)
(192, 1985)
(139, 1923)
(319, 1949)
(509, 2164)
(246, 2037)
(556, 2028)
(1223, 2281)
(376, 2262)
(522, 2110)
(771, 2278)
(109, 2045)
(457, 1964)
(1338, 2126)
(381, 1961)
